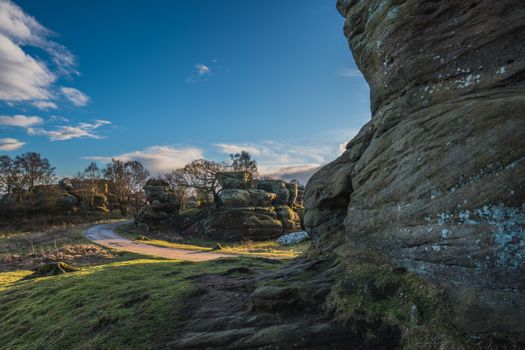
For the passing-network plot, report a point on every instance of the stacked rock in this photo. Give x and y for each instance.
(252, 210)
(162, 206)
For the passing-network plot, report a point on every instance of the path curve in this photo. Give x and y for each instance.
(105, 235)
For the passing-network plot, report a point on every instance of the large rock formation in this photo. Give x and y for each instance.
(162, 206)
(253, 210)
(436, 179)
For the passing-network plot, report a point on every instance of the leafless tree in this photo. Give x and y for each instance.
(177, 181)
(128, 178)
(202, 176)
(24, 174)
(92, 175)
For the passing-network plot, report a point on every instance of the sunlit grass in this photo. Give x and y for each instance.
(133, 304)
(267, 249)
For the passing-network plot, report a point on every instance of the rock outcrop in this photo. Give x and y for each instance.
(162, 206)
(253, 210)
(436, 180)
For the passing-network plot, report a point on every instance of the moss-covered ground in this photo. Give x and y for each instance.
(135, 303)
(374, 291)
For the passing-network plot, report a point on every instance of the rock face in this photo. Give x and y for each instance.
(249, 211)
(436, 179)
(162, 207)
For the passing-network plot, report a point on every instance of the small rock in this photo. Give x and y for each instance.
(53, 269)
(415, 317)
(293, 238)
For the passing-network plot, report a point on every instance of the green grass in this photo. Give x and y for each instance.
(396, 294)
(131, 304)
(265, 249)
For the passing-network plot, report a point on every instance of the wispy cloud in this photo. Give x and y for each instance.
(10, 144)
(20, 121)
(351, 73)
(200, 73)
(76, 97)
(44, 105)
(295, 158)
(203, 69)
(297, 172)
(68, 132)
(157, 159)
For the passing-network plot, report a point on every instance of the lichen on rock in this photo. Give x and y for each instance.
(436, 179)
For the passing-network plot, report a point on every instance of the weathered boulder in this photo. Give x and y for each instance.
(293, 238)
(235, 198)
(235, 180)
(269, 185)
(237, 224)
(436, 180)
(290, 219)
(52, 269)
(157, 215)
(260, 198)
(159, 190)
(65, 184)
(248, 213)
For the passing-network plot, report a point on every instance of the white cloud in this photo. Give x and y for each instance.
(23, 76)
(158, 159)
(44, 105)
(77, 97)
(68, 132)
(20, 121)
(9, 144)
(351, 73)
(202, 69)
(299, 172)
(200, 73)
(296, 158)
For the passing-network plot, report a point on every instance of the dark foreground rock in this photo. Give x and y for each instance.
(243, 311)
(436, 180)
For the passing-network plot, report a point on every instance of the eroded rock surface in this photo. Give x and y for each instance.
(436, 179)
(162, 206)
(253, 210)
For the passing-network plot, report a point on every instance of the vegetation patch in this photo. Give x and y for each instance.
(268, 249)
(132, 304)
(370, 292)
(21, 250)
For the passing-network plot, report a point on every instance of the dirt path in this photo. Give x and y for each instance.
(105, 235)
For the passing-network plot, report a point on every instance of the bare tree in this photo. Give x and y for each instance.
(202, 175)
(243, 162)
(128, 178)
(34, 171)
(178, 182)
(92, 175)
(10, 179)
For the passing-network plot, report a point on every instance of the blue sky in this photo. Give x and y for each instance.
(165, 82)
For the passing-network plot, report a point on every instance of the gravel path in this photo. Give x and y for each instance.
(105, 235)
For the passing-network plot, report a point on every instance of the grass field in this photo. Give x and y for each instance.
(136, 303)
